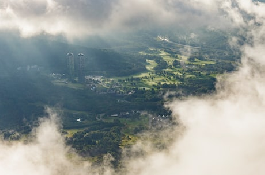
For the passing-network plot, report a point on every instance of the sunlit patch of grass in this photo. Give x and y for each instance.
(128, 140)
(201, 62)
(190, 76)
(71, 132)
(167, 57)
(163, 53)
(151, 65)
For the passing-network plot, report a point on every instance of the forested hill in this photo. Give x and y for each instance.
(51, 55)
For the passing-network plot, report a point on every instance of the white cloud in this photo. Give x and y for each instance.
(46, 154)
(223, 133)
(76, 18)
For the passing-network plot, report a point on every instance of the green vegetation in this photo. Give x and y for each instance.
(124, 83)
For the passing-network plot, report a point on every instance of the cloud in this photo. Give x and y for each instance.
(81, 18)
(223, 133)
(45, 154)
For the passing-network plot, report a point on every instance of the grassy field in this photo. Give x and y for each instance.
(167, 57)
(68, 84)
(200, 62)
(151, 65)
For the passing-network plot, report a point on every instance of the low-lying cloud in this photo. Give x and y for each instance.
(80, 18)
(46, 154)
(223, 133)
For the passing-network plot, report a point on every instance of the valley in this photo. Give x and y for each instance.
(122, 95)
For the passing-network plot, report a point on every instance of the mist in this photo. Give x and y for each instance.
(221, 133)
(80, 19)
(44, 154)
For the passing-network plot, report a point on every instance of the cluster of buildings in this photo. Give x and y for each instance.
(159, 121)
(76, 67)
